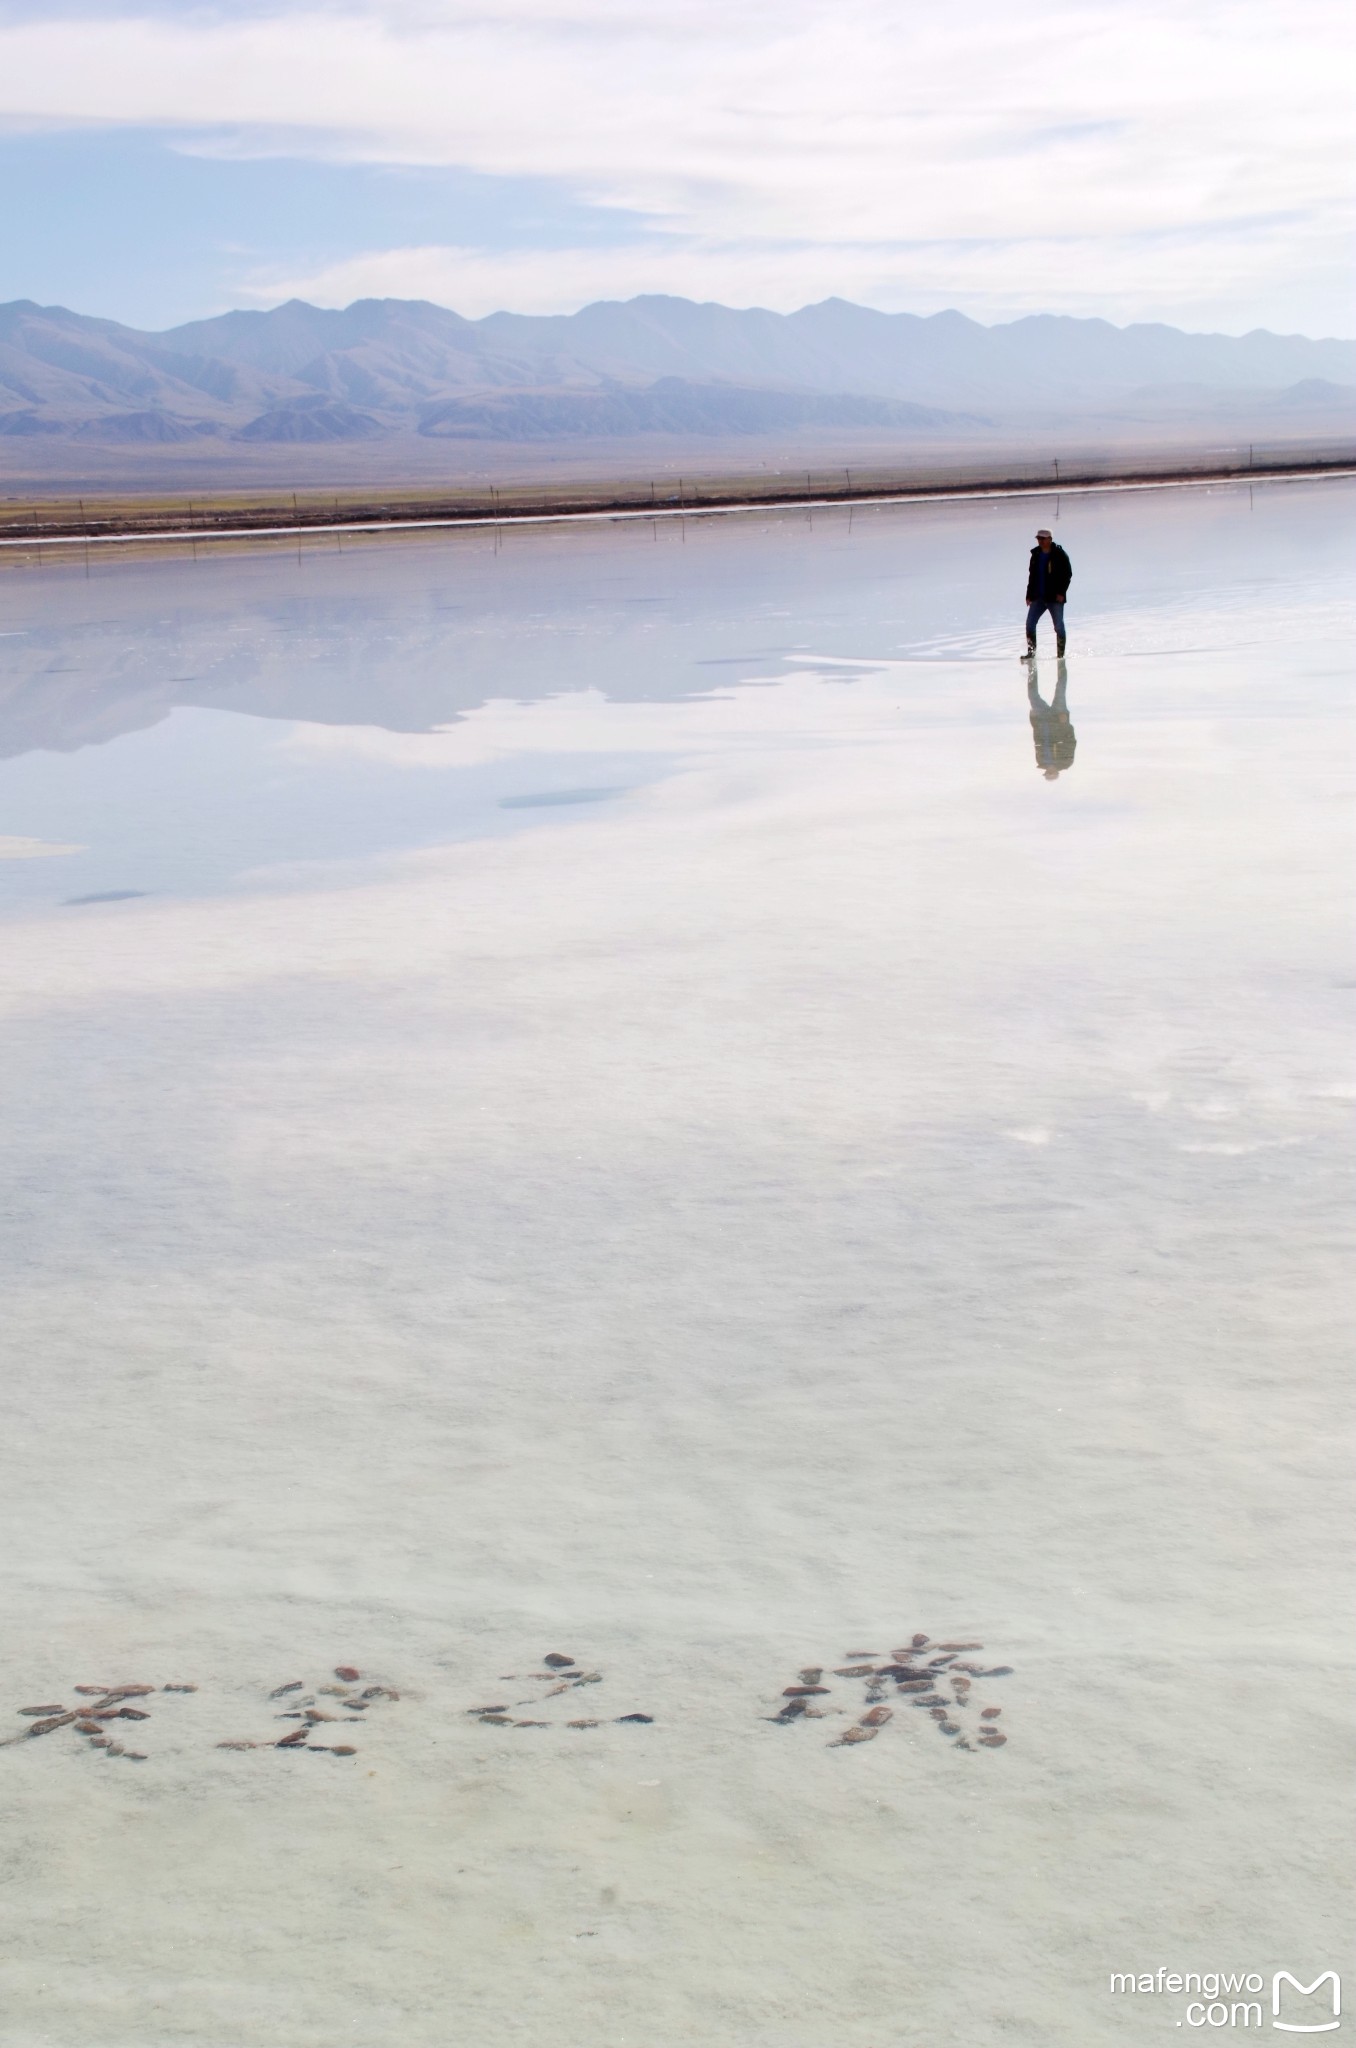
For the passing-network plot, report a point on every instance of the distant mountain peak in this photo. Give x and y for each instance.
(389, 365)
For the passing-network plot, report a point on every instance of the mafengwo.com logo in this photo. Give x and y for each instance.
(1241, 1998)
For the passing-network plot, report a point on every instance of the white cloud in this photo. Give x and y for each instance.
(1218, 282)
(996, 156)
(33, 849)
(588, 722)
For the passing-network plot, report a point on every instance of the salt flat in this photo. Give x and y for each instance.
(826, 1183)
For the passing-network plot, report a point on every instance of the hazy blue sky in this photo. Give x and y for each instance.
(1139, 159)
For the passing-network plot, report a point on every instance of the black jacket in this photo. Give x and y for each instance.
(1059, 575)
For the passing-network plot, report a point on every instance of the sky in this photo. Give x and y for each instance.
(1175, 160)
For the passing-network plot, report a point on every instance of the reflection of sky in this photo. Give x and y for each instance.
(209, 799)
(838, 1184)
(194, 725)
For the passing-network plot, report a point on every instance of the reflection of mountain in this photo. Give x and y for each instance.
(61, 713)
(413, 634)
(398, 652)
(321, 682)
(652, 365)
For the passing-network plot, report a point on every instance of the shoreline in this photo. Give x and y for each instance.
(214, 521)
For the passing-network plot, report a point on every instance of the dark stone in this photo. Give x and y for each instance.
(178, 1688)
(58, 1708)
(635, 1717)
(556, 1661)
(799, 1692)
(348, 1672)
(291, 1741)
(280, 1690)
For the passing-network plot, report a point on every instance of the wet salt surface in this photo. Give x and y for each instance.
(835, 1187)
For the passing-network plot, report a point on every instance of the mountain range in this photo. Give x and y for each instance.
(305, 374)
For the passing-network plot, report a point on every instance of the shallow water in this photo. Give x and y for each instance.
(597, 1101)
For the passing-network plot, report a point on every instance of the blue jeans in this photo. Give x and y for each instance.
(1055, 607)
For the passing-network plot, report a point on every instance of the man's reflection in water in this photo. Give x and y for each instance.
(1050, 724)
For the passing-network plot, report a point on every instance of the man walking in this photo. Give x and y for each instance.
(1047, 586)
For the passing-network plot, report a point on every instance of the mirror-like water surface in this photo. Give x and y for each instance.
(607, 1124)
